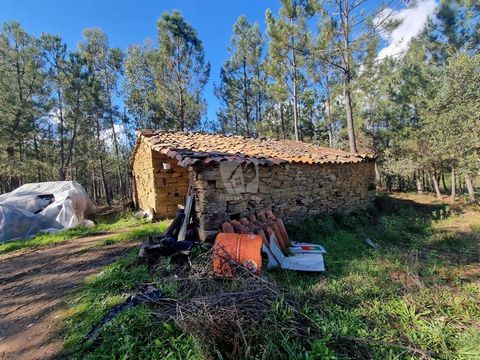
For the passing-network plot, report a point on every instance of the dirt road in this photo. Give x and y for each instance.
(33, 286)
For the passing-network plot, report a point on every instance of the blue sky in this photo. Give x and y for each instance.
(129, 21)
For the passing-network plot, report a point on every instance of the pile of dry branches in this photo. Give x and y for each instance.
(248, 316)
(221, 314)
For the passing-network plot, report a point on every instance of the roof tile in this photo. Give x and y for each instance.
(196, 147)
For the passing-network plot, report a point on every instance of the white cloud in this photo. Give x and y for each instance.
(120, 133)
(414, 20)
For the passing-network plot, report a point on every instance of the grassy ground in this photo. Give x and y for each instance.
(415, 296)
(103, 224)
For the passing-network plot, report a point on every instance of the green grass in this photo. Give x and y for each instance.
(45, 239)
(475, 228)
(104, 224)
(132, 334)
(418, 290)
(139, 232)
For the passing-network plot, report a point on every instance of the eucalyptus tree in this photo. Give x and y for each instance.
(180, 72)
(288, 53)
(242, 88)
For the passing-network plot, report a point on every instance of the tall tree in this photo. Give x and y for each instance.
(140, 89)
(106, 65)
(242, 86)
(453, 120)
(288, 52)
(55, 54)
(22, 101)
(180, 71)
(349, 30)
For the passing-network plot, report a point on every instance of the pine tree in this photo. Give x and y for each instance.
(140, 89)
(22, 102)
(288, 52)
(242, 86)
(348, 30)
(180, 72)
(106, 64)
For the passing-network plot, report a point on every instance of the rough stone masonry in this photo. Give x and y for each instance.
(235, 176)
(292, 191)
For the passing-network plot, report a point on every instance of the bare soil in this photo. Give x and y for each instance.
(33, 287)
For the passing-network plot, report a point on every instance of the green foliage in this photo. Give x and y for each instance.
(136, 335)
(164, 86)
(287, 57)
(181, 71)
(242, 88)
(452, 123)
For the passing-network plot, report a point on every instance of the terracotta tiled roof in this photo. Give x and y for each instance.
(192, 147)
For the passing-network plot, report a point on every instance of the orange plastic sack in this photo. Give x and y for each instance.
(241, 248)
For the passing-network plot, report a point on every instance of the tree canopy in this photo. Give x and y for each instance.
(315, 74)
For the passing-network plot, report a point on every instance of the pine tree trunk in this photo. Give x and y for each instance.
(295, 90)
(444, 183)
(37, 156)
(245, 97)
(62, 137)
(436, 186)
(378, 177)
(470, 188)
(419, 182)
(330, 136)
(345, 14)
(454, 184)
(115, 143)
(71, 145)
(349, 112)
(329, 115)
(282, 120)
(102, 168)
(295, 113)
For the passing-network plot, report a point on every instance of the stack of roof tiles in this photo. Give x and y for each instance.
(194, 147)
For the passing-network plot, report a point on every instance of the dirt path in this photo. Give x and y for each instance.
(33, 286)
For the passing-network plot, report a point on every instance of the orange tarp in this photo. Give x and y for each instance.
(240, 248)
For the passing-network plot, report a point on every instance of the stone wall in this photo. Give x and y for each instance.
(171, 186)
(156, 189)
(293, 191)
(142, 171)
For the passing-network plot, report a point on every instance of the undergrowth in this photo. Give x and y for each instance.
(415, 296)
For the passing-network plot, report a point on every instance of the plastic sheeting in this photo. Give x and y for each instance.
(46, 206)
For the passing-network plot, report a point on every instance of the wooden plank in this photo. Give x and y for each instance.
(186, 220)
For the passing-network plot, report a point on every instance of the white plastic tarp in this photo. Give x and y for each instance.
(46, 206)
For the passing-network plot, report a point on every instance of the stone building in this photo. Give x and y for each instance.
(234, 176)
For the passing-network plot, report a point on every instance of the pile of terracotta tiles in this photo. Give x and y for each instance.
(281, 252)
(264, 224)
